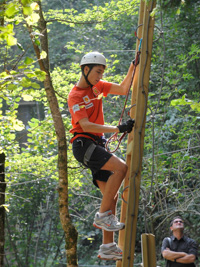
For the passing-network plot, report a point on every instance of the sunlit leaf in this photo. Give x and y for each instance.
(25, 2)
(41, 75)
(12, 86)
(43, 55)
(28, 60)
(5, 206)
(25, 82)
(18, 126)
(27, 97)
(11, 40)
(10, 11)
(27, 10)
(35, 6)
(32, 19)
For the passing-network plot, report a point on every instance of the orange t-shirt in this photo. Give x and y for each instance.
(87, 103)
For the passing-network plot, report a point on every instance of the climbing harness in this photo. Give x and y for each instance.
(88, 153)
(114, 137)
(96, 140)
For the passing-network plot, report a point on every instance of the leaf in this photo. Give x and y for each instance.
(22, 67)
(35, 85)
(33, 123)
(27, 97)
(37, 42)
(12, 136)
(178, 11)
(41, 75)
(25, 82)
(43, 55)
(35, 6)
(28, 60)
(10, 11)
(32, 19)
(195, 106)
(180, 101)
(12, 86)
(13, 72)
(25, 2)
(188, 76)
(5, 207)
(18, 125)
(11, 40)
(27, 10)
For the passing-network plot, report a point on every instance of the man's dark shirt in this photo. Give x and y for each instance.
(185, 244)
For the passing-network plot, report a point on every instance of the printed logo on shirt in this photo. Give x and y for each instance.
(76, 108)
(89, 105)
(86, 99)
(95, 91)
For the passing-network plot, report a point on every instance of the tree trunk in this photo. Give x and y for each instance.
(70, 231)
(2, 209)
(2, 185)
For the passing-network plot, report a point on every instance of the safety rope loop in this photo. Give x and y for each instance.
(136, 31)
(129, 111)
(122, 194)
(114, 138)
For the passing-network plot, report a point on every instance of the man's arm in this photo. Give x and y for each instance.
(88, 126)
(189, 258)
(91, 127)
(122, 89)
(180, 257)
(172, 255)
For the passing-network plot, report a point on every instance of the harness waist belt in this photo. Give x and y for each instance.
(91, 136)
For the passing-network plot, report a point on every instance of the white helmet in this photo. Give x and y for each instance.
(93, 58)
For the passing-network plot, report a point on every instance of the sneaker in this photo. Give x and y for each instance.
(110, 253)
(108, 222)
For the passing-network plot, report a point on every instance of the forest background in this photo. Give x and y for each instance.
(170, 176)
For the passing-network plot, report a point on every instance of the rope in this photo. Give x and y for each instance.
(114, 137)
(153, 113)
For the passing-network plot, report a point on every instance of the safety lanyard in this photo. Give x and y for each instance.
(114, 137)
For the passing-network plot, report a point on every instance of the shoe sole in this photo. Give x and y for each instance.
(107, 229)
(108, 259)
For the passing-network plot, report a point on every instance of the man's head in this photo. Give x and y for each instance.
(177, 224)
(88, 62)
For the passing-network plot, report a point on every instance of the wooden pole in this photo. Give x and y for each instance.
(130, 138)
(148, 250)
(135, 145)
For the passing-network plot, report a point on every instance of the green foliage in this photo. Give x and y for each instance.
(7, 35)
(170, 184)
(183, 101)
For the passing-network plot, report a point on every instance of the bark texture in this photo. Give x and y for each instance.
(2, 209)
(69, 229)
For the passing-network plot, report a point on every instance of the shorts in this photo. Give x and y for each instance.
(96, 161)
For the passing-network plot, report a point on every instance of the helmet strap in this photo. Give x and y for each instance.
(86, 76)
